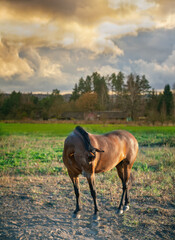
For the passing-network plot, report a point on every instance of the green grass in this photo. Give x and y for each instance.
(146, 135)
(43, 155)
(35, 129)
(30, 155)
(37, 148)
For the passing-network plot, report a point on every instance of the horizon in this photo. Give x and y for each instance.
(64, 93)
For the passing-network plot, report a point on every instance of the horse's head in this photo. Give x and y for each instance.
(90, 150)
(91, 153)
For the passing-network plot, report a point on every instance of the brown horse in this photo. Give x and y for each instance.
(89, 154)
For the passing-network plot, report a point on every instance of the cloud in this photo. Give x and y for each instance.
(81, 25)
(81, 69)
(108, 29)
(42, 66)
(158, 74)
(25, 62)
(140, 4)
(106, 70)
(84, 11)
(11, 64)
(45, 42)
(49, 69)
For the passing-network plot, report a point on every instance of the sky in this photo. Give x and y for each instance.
(49, 44)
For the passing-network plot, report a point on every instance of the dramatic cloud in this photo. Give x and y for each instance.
(47, 44)
(42, 66)
(11, 64)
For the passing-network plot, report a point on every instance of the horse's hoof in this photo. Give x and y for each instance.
(119, 211)
(96, 217)
(126, 208)
(76, 215)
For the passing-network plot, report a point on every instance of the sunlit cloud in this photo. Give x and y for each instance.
(107, 70)
(140, 4)
(11, 64)
(91, 27)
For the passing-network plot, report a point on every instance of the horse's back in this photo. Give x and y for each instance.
(123, 136)
(117, 145)
(127, 141)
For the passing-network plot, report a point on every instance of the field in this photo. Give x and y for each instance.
(37, 198)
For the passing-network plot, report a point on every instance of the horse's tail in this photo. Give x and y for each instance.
(131, 180)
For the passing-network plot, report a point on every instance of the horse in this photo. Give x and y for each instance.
(87, 154)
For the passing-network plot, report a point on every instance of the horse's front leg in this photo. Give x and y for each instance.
(75, 181)
(91, 181)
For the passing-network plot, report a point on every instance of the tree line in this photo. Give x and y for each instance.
(131, 94)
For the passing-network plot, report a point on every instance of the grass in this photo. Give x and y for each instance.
(146, 135)
(30, 155)
(31, 158)
(37, 148)
(154, 169)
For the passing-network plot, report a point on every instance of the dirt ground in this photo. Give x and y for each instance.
(41, 208)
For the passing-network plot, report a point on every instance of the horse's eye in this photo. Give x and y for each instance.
(92, 154)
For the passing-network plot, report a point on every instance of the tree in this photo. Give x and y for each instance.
(81, 86)
(2, 99)
(88, 84)
(75, 94)
(168, 100)
(11, 105)
(117, 82)
(134, 94)
(51, 106)
(87, 102)
(100, 87)
(152, 107)
(166, 104)
(143, 84)
(57, 107)
(56, 104)
(56, 92)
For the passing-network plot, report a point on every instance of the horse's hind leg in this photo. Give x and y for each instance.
(75, 181)
(124, 171)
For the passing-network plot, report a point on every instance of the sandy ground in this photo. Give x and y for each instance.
(41, 208)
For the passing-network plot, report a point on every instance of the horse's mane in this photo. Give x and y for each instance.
(86, 138)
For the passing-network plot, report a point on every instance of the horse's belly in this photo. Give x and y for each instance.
(104, 167)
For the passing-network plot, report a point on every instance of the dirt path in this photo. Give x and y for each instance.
(41, 208)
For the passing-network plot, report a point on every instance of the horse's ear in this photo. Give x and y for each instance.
(98, 150)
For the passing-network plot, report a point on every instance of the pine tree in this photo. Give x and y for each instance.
(75, 93)
(168, 100)
(134, 91)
